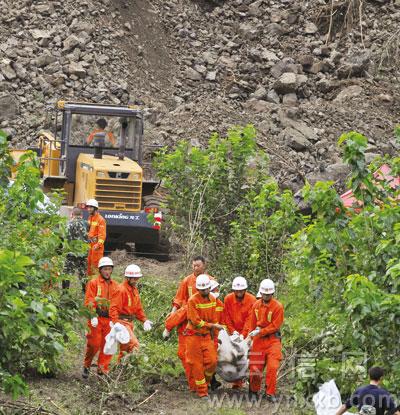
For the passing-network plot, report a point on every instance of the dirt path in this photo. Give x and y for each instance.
(69, 394)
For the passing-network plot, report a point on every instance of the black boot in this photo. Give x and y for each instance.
(214, 384)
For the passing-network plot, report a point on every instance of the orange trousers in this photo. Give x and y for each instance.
(182, 356)
(265, 352)
(94, 257)
(201, 356)
(96, 338)
(133, 343)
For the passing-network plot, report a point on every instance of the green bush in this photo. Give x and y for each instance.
(35, 317)
(342, 294)
(224, 203)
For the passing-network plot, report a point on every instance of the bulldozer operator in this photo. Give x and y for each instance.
(100, 133)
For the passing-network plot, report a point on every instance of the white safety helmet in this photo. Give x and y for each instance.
(92, 203)
(106, 262)
(267, 286)
(214, 285)
(133, 271)
(239, 283)
(203, 282)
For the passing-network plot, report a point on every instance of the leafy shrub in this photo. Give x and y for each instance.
(224, 204)
(35, 317)
(342, 294)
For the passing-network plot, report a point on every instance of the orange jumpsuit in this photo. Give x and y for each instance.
(220, 319)
(96, 236)
(238, 311)
(266, 348)
(236, 314)
(179, 320)
(98, 292)
(201, 355)
(125, 306)
(186, 289)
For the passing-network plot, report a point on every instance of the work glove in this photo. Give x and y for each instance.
(94, 322)
(147, 325)
(255, 332)
(96, 247)
(165, 334)
(111, 324)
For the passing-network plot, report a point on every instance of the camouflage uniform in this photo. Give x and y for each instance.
(77, 264)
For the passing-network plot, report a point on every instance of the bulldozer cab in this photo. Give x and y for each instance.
(96, 152)
(84, 128)
(100, 130)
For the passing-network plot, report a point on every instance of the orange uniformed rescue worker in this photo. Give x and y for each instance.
(96, 235)
(126, 307)
(186, 289)
(202, 316)
(178, 319)
(263, 327)
(100, 132)
(214, 289)
(238, 305)
(97, 298)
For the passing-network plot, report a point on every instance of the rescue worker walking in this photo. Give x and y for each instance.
(178, 319)
(202, 316)
(186, 289)
(126, 306)
(96, 236)
(97, 298)
(263, 328)
(238, 305)
(214, 289)
(76, 264)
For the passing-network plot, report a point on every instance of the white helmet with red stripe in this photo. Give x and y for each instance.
(133, 271)
(267, 286)
(239, 283)
(203, 282)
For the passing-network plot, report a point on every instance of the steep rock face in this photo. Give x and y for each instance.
(200, 66)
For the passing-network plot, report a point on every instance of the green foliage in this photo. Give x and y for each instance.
(343, 268)
(207, 186)
(258, 236)
(35, 317)
(223, 203)
(5, 166)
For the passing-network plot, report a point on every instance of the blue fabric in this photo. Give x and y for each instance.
(372, 395)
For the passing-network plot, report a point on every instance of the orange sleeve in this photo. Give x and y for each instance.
(90, 137)
(115, 305)
(101, 231)
(111, 138)
(194, 316)
(228, 319)
(276, 322)
(90, 295)
(177, 318)
(139, 312)
(220, 310)
(251, 322)
(181, 294)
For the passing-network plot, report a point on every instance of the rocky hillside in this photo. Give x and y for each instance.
(302, 71)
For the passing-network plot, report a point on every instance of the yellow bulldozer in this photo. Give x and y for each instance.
(95, 151)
